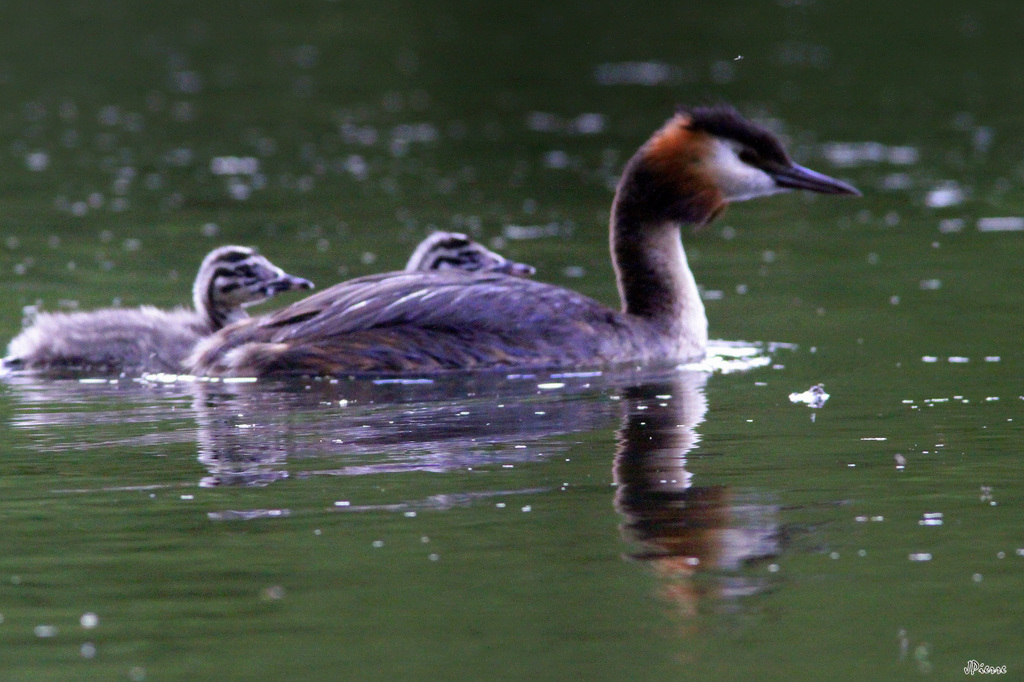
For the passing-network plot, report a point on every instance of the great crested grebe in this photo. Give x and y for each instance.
(686, 173)
(456, 251)
(147, 339)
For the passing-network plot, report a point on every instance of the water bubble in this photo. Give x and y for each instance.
(357, 167)
(109, 115)
(640, 73)
(238, 190)
(897, 181)
(45, 631)
(588, 124)
(187, 82)
(902, 155)
(89, 620)
(351, 133)
(274, 593)
(847, 154)
(948, 193)
(574, 271)
(87, 650)
(37, 161)
(543, 122)
(1002, 224)
(234, 165)
(951, 225)
(556, 159)
(712, 294)
(180, 157)
(982, 139)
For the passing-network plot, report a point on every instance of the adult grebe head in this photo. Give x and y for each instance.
(232, 277)
(456, 251)
(705, 157)
(687, 172)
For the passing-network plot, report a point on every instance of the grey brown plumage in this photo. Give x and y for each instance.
(148, 339)
(687, 172)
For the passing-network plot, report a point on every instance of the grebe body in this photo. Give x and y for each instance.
(686, 173)
(148, 339)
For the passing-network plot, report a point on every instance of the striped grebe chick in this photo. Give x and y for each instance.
(686, 173)
(148, 339)
(456, 251)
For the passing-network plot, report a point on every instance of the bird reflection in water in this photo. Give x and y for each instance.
(248, 435)
(698, 539)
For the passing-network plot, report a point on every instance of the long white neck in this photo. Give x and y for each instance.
(654, 279)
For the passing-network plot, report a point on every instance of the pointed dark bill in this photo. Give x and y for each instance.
(797, 177)
(286, 283)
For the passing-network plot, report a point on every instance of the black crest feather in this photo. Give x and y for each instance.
(725, 122)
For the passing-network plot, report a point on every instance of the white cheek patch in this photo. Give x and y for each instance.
(738, 181)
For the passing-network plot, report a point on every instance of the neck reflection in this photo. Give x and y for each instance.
(686, 532)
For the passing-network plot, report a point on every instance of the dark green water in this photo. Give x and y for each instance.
(690, 526)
